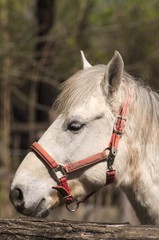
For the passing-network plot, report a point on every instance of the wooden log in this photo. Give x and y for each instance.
(37, 229)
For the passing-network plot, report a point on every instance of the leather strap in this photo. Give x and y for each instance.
(64, 189)
(118, 131)
(99, 157)
(44, 155)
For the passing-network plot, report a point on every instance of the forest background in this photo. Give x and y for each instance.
(40, 44)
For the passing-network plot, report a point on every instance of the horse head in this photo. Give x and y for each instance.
(87, 108)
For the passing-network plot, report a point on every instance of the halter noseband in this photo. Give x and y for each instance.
(61, 172)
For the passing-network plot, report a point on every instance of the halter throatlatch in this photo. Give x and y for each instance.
(61, 172)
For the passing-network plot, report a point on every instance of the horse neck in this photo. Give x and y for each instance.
(142, 134)
(140, 178)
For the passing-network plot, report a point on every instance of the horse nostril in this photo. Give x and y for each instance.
(16, 196)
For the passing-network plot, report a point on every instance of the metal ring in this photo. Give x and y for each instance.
(74, 207)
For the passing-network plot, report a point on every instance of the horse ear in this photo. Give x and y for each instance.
(86, 64)
(114, 73)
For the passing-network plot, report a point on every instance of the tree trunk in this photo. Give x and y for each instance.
(82, 24)
(5, 91)
(5, 110)
(35, 229)
(45, 15)
(45, 11)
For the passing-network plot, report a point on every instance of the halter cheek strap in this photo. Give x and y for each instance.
(62, 172)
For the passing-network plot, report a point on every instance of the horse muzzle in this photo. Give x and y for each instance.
(39, 209)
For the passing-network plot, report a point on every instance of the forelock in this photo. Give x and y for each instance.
(78, 88)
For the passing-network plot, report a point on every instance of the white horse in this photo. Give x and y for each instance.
(88, 107)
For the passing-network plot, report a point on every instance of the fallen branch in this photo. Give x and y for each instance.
(35, 229)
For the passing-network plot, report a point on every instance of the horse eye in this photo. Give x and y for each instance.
(75, 126)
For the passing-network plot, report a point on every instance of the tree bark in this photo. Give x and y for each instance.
(82, 23)
(45, 13)
(5, 104)
(44, 53)
(31, 229)
(5, 90)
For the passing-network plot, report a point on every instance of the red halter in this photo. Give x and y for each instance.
(61, 172)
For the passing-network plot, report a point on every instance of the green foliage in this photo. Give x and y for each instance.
(126, 25)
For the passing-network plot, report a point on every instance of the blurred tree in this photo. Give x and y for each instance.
(5, 91)
(46, 16)
(44, 12)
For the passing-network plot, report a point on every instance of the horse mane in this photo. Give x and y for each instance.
(145, 104)
(79, 88)
(83, 84)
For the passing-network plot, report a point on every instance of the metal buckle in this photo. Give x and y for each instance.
(59, 171)
(111, 157)
(118, 132)
(72, 207)
(121, 117)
